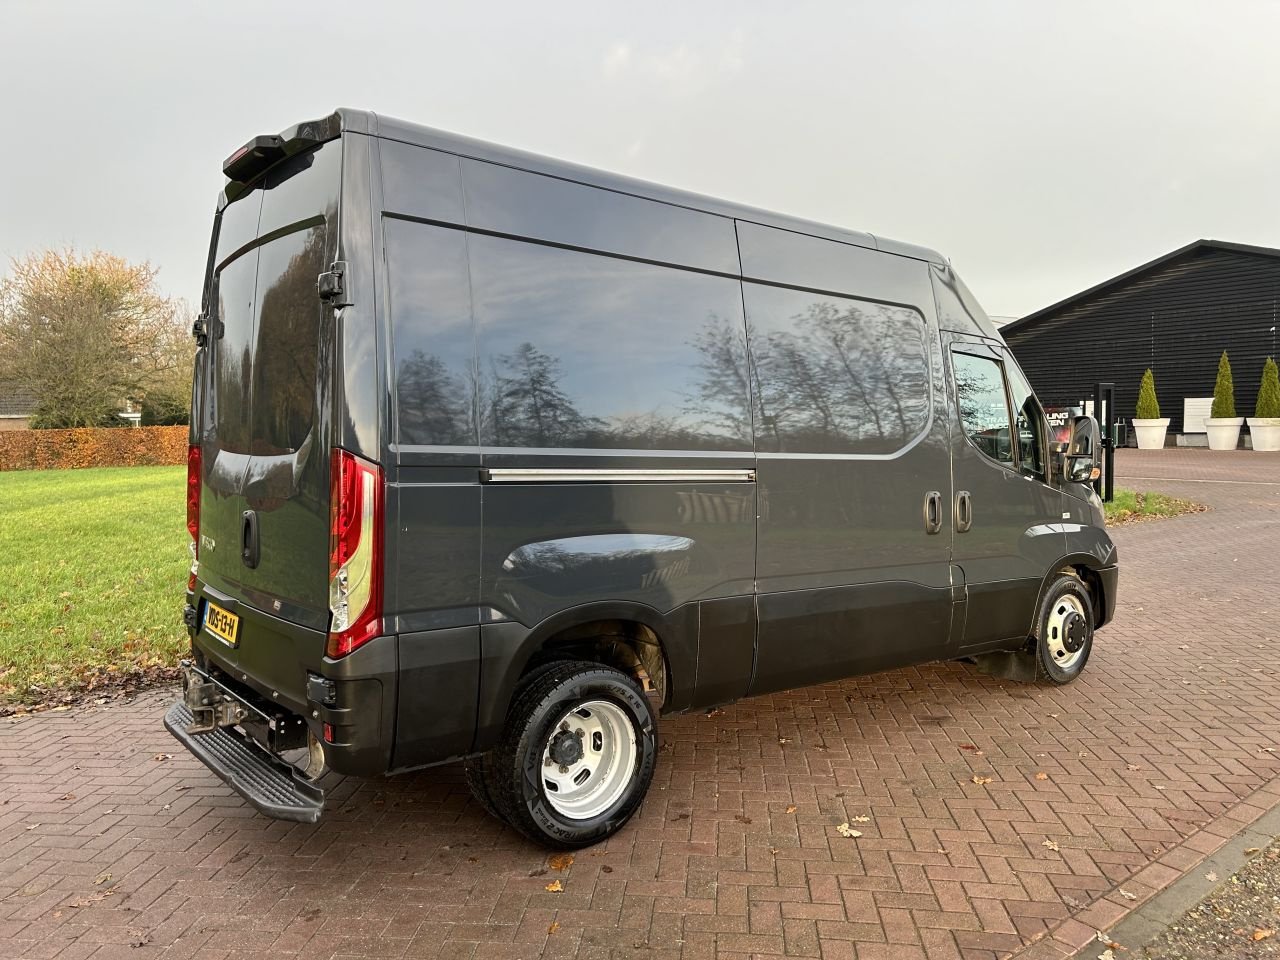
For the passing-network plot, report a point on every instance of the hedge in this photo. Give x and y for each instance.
(92, 447)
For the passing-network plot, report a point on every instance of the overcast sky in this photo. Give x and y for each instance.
(1042, 147)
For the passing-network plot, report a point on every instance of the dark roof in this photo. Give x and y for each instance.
(16, 401)
(361, 121)
(1138, 271)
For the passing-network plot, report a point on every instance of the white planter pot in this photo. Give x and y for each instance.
(1224, 432)
(1265, 432)
(1150, 433)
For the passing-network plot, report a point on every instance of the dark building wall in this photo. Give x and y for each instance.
(1176, 318)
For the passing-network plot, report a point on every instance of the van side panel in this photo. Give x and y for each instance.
(852, 438)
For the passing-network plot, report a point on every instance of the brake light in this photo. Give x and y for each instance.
(193, 511)
(355, 552)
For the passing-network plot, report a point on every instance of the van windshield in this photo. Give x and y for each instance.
(266, 351)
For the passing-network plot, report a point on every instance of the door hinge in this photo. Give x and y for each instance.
(331, 286)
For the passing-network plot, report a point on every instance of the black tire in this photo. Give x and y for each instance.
(513, 773)
(1064, 629)
(479, 769)
(478, 777)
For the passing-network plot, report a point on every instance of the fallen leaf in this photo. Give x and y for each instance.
(101, 879)
(605, 868)
(161, 757)
(784, 739)
(774, 851)
(860, 819)
(968, 746)
(1261, 934)
(1133, 766)
(92, 899)
(980, 781)
(742, 819)
(791, 808)
(67, 796)
(848, 831)
(561, 862)
(555, 886)
(1127, 895)
(1251, 851)
(1211, 877)
(1107, 954)
(1041, 775)
(555, 925)
(1051, 844)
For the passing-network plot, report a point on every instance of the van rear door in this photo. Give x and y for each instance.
(264, 504)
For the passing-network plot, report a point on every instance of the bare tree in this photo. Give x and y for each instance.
(86, 333)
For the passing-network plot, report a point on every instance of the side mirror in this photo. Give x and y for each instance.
(1079, 461)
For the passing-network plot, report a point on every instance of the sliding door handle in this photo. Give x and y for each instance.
(964, 511)
(933, 512)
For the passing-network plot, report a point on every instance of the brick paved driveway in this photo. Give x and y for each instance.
(1163, 747)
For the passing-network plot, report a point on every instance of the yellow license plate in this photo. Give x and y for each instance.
(222, 624)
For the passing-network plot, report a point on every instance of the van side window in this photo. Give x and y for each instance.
(433, 347)
(1029, 422)
(579, 350)
(984, 408)
(835, 375)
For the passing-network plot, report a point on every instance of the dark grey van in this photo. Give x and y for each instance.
(495, 457)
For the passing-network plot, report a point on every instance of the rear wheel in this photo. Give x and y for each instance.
(576, 755)
(1064, 629)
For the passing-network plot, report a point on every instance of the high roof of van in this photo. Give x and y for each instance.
(364, 121)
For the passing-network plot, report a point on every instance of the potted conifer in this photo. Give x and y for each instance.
(1264, 425)
(1148, 424)
(1222, 423)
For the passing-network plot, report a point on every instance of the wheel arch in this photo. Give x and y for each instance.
(1087, 569)
(658, 649)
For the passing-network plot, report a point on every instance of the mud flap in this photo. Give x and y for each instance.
(1020, 665)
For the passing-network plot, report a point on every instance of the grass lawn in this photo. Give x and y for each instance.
(93, 563)
(1130, 505)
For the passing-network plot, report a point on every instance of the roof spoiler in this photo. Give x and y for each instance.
(261, 153)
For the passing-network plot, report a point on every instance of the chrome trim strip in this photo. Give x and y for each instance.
(606, 475)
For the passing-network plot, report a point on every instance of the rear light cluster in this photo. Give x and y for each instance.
(193, 511)
(355, 553)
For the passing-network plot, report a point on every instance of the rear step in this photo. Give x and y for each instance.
(271, 785)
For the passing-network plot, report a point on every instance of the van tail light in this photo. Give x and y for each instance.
(193, 511)
(355, 553)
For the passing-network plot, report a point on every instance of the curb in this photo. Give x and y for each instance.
(1167, 887)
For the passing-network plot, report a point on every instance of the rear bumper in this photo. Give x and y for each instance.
(280, 668)
(267, 782)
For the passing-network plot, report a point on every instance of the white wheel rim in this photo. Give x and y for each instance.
(594, 782)
(1055, 630)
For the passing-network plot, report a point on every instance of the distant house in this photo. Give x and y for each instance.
(16, 406)
(1175, 314)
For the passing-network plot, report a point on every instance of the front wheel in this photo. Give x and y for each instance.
(576, 755)
(1064, 629)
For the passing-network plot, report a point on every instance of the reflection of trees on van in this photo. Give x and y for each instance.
(829, 375)
(284, 375)
(435, 406)
(525, 405)
(722, 399)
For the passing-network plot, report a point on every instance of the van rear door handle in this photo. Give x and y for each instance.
(250, 545)
(933, 512)
(964, 511)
